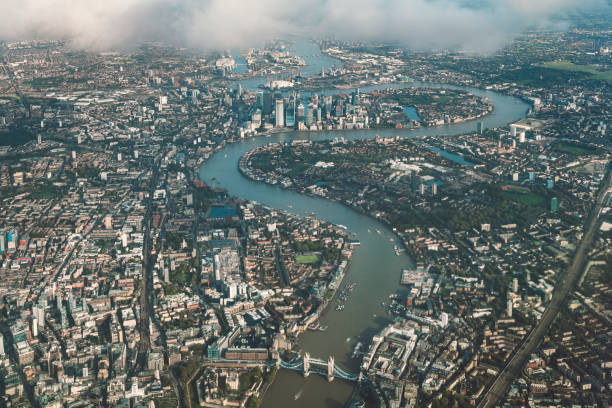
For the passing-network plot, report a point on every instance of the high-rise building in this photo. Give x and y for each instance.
(480, 128)
(554, 204)
(509, 307)
(444, 319)
(267, 103)
(39, 314)
(279, 112)
(11, 240)
(2, 241)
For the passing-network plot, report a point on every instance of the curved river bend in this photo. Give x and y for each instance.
(375, 268)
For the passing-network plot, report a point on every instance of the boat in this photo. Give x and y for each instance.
(314, 326)
(297, 395)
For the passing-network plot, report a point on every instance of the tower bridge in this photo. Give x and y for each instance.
(329, 368)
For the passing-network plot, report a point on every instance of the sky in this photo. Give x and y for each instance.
(474, 26)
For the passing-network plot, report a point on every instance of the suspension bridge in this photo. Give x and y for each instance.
(329, 368)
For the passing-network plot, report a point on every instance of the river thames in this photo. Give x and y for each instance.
(374, 268)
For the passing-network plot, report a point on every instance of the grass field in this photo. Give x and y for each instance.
(575, 149)
(306, 259)
(532, 199)
(587, 69)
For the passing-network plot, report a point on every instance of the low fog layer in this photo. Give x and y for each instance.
(478, 26)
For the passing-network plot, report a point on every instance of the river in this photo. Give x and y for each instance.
(375, 268)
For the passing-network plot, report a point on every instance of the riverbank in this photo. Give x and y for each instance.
(376, 275)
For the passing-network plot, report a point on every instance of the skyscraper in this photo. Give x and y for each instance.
(481, 127)
(260, 99)
(554, 204)
(279, 112)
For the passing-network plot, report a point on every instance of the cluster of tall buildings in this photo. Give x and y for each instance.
(9, 240)
(293, 111)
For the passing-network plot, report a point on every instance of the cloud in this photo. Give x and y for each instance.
(469, 25)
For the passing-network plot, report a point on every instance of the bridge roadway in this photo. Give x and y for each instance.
(568, 280)
(314, 366)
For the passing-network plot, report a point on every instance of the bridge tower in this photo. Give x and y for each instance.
(330, 369)
(306, 364)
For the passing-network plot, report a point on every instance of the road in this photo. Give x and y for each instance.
(145, 291)
(513, 368)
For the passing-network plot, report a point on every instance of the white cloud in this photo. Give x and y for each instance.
(472, 25)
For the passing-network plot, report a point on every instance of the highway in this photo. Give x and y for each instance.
(497, 390)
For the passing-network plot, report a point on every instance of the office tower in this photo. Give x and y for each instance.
(554, 204)
(444, 319)
(238, 91)
(422, 189)
(2, 241)
(39, 137)
(532, 176)
(550, 184)
(279, 112)
(300, 112)
(39, 313)
(267, 103)
(259, 97)
(434, 189)
(481, 127)
(522, 137)
(515, 285)
(11, 240)
(509, 307)
(309, 116)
